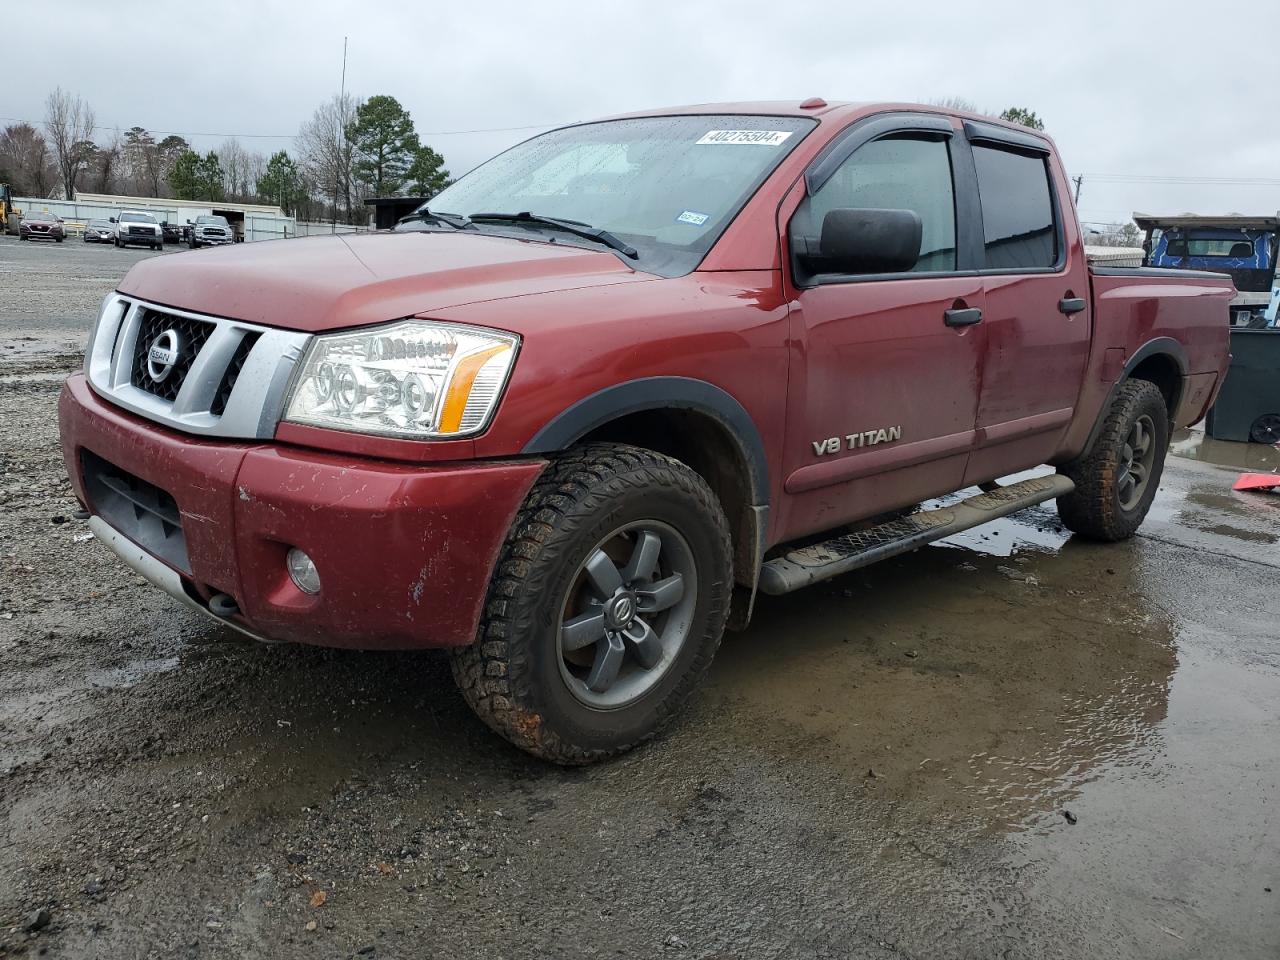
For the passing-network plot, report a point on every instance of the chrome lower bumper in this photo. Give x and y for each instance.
(156, 573)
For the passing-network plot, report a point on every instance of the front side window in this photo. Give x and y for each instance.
(895, 173)
(1017, 209)
(667, 186)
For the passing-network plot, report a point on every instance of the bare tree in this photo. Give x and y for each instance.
(327, 153)
(107, 166)
(241, 169)
(956, 103)
(1113, 235)
(69, 121)
(25, 159)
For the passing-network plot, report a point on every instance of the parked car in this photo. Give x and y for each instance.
(38, 225)
(135, 226)
(99, 231)
(621, 379)
(210, 231)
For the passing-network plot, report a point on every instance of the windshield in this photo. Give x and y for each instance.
(99, 225)
(137, 218)
(39, 215)
(219, 221)
(666, 185)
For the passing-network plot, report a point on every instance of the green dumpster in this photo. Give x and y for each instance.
(1248, 405)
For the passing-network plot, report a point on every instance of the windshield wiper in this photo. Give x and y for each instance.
(576, 227)
(457, 221)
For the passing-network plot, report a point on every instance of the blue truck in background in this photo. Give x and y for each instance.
(1244, 247)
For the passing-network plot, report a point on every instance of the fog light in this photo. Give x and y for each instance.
(302, 571)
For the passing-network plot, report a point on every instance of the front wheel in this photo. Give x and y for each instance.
(606, 606)
(1117, 478)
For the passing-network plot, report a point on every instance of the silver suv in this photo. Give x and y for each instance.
(134, 226)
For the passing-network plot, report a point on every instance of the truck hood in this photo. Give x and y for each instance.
(325, 283)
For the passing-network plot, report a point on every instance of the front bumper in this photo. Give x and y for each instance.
(404, 552)
(141, 238)
(214, 241)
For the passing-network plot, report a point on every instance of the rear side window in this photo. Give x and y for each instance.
(1017, 209)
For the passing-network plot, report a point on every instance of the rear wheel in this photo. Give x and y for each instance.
(606, 607)
(1117, 478)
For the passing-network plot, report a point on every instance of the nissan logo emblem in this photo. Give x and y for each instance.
(163, 355)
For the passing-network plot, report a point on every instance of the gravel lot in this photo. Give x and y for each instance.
(1013, 744)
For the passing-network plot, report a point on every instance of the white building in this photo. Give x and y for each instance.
(251, 221)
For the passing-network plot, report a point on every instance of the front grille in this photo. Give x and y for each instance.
(228, 383)
(140, 510)
(140, 232)
(229, 377)
(191, 335)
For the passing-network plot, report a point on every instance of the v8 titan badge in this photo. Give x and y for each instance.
(852, 441)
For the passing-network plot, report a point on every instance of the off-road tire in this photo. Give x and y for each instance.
(1093, 509)
(511, 674)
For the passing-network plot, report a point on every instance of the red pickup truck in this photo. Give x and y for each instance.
(569, 418)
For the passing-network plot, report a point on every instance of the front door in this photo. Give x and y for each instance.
(884, 377)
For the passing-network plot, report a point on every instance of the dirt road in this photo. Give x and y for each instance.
(1010, 745)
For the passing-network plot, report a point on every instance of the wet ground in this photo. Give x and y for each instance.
(1013, 744)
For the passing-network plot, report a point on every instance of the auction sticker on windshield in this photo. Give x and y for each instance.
(768, 138)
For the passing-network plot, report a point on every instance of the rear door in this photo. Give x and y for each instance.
(884, 378)
(1037, 313)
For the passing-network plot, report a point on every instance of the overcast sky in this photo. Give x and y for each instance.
(1165, 89)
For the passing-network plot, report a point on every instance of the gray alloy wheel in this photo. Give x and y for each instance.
(627, 613)
(1137, 456)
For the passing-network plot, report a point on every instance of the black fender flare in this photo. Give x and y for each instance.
(659, 393)
(1159, 346)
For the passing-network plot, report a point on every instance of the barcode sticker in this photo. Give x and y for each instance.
(766, 138)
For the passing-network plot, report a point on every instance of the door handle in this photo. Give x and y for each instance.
(1070, 305)
(962, 317)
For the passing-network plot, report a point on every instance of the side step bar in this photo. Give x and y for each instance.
(821, 561)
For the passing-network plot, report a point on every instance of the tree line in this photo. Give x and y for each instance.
(348, 151)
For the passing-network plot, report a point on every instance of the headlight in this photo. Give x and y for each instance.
(414, 378)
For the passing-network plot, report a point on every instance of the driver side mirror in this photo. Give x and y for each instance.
(113, 219)
(868, 240)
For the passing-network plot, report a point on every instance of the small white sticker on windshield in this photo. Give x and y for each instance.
(694, 217)
(767, 138)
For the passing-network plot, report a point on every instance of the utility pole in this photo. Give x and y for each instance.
(342, 144)
(1078, 181)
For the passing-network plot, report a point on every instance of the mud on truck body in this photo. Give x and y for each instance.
(576, 414)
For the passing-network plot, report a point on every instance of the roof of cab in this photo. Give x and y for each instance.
(832, 110)
(775, 108)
